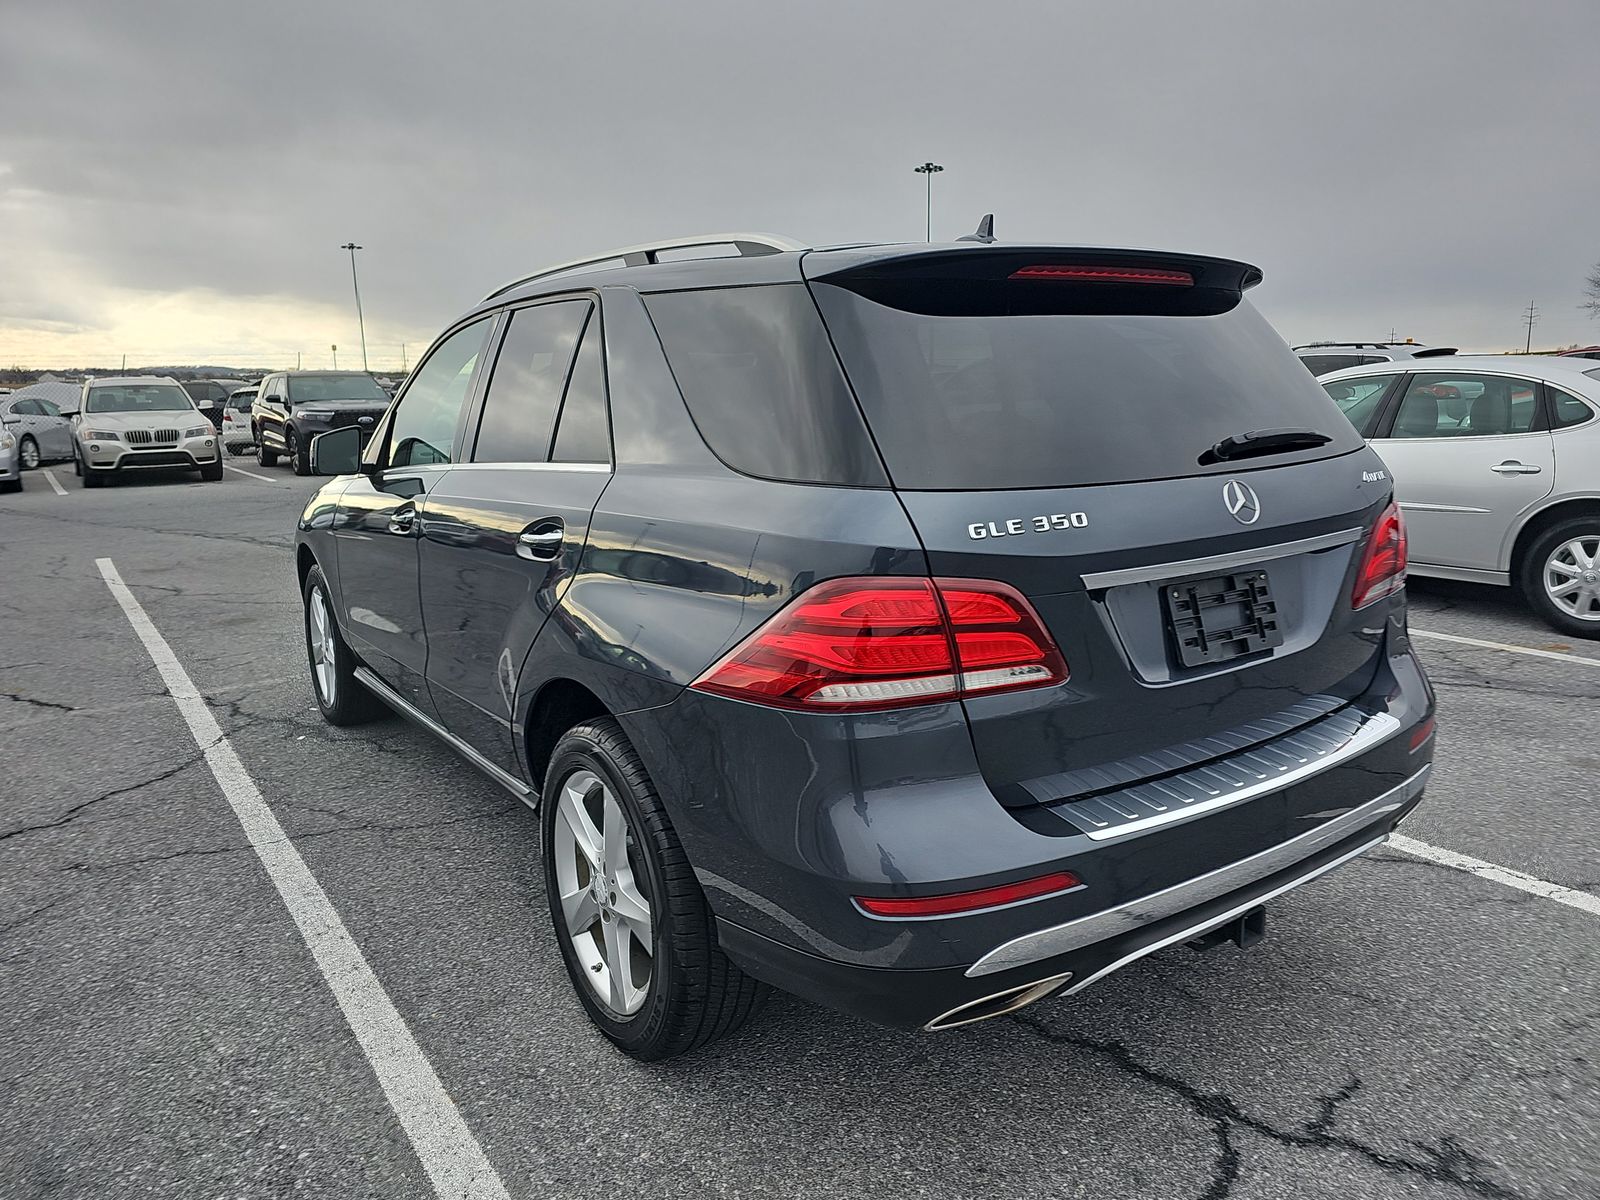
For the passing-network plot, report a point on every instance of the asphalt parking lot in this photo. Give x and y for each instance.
(1408, 1029)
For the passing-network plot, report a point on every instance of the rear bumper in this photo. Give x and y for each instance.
(1064, 959)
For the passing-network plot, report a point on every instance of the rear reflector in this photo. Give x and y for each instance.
(961, 902)
(887, 642)
(1106, 275)
(1421, 734)
(1383, 562)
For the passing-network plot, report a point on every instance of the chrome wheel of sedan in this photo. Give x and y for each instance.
(30, 454)
(607, 915)
(319, 638)
(1572, 577)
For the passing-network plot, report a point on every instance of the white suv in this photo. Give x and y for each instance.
(1322, 357)
(141, 422)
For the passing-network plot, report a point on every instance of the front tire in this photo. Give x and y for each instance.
(211, 472)
(28, 454)
(299, 456)
(633, 926)
(340, 696)
(91, 477)
(267, 458)
(1561, 576)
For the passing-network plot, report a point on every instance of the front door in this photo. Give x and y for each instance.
(380, 515)
(1469, 455)
(504, 534)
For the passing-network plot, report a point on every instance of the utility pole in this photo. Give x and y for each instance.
(360, 320)
(1531, 318)
(930, 169)
(335, 350)
(297, 360)
(124, 364)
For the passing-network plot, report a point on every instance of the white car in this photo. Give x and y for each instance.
(238, 436)
(1496, 464)
(141, 422)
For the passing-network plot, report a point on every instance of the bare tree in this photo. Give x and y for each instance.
(1591, 292)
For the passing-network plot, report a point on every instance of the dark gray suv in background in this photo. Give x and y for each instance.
(925, 630)
(292, 407)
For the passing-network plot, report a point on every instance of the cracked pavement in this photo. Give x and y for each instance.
(1404, 1031)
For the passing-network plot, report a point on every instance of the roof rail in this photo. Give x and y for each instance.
(748, 244)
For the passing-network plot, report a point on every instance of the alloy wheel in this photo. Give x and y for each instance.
(30, 454)
(607, 915)
(319, 636)
(1572, 577)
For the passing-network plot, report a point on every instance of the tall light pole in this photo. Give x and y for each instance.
(1530, 317)
(360, 320)
(930, 169)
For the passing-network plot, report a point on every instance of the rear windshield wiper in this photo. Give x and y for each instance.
(1263, 441)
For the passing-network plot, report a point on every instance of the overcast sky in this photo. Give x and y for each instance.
(176, 179)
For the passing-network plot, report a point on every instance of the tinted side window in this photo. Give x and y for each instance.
(1566, 410)
(28, 408)
(1447, 404)
(762, 383)
(1322, 364)
(519, 410)
(1360, 399)
(49, 410)
(584, 434)
(424, 427)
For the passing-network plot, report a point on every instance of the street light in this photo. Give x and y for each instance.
(930, 169)
(360, 320)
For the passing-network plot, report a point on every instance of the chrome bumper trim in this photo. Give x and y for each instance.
(1248, 774)
(1095, 580)
(1128, 918)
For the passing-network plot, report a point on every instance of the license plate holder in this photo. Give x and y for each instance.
(1220, 618)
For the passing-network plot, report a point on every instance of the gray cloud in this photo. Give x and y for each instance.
(1419, 166)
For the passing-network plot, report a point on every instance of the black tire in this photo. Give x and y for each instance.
(351, 703)
(27, 448)
(267, 458)
(91, 477)
(1533, 573)
(237, 450)
(11, 485)
(77, 465)
(211, 472)
(299, 456)
(695, 995)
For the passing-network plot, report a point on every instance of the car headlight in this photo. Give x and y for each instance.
(198, 431)
(7, 441)
(313, 414)
(100, 435)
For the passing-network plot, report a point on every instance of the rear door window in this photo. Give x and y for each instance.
(519, 410)
(1451, 404)
(1013, 397)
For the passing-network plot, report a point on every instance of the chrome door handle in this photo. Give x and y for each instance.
(401, 520)
(1512, 467)
(543, 542)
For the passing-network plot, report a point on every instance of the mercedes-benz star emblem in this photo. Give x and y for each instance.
(1242, 503)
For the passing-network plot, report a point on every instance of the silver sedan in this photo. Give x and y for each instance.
(1496, 464)
(41, 431)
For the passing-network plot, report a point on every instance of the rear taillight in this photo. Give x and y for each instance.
(887, 642)
(1383, 562)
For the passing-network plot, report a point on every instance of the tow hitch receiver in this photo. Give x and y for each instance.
(1244, 931)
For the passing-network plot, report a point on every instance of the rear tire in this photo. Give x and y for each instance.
(1557, 584)
(340, 695)
(211, 472)
(693, 994)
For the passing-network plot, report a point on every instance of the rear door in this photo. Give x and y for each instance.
(1470, 454)
(503, 533)
(1052, 423)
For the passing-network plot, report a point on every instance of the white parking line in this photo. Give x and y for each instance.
(450, 1154)
(1466, 641)
(252, 474)
(50, 478)
(1571, 897)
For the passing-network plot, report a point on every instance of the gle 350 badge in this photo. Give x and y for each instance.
(979, 530)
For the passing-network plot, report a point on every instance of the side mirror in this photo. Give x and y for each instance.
(274, 399)
(337, 452)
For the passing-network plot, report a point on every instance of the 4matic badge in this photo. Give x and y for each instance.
(1012, 526)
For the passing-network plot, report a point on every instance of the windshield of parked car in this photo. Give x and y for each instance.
(137, 398)
(307, 388)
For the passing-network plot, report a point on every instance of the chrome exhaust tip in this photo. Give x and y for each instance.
(997, 1005)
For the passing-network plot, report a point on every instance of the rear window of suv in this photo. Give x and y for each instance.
(977, 402)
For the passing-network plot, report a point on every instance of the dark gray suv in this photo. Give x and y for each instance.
(924, 630)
